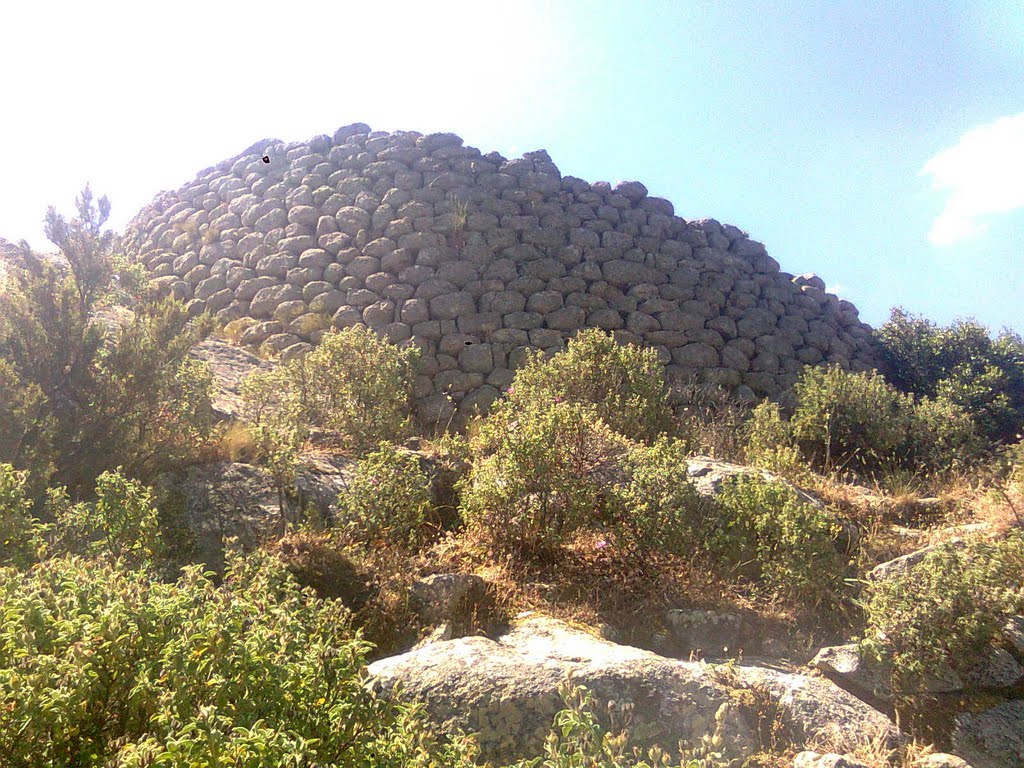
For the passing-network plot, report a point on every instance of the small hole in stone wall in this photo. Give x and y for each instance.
(266, 158)
(469, 343)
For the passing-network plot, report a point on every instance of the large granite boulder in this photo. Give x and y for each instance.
(506, 690)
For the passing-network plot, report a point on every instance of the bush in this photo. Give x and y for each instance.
(121, 523)
(354, 383)
(961, 363)
(766, 533)
(103, 667)
(861, 423)
(625, 384)
(539, 475)
(945, 609)
(387, 498)
(20, 533)
(657, 508)
(85, 399)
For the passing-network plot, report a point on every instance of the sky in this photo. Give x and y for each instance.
(879, 145)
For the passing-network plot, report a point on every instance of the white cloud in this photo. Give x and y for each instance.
(982, 175)
(838, 289)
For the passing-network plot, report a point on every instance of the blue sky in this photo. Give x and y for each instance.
(880, 145)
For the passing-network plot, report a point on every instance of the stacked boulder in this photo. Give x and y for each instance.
(475, 259)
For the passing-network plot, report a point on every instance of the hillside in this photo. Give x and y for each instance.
(376, 450)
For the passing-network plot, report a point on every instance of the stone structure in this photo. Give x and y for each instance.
(475, 259)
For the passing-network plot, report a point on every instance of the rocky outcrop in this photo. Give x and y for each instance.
(506, 689)
(475, 258)
(229, 365)
(206, 504)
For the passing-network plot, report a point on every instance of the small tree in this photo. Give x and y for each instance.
(85, 400)
(961, 363)
(85, 245)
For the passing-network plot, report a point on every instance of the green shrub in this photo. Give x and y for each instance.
(961, 363)
(20, 533)
(945, 609)
(354, 383)
(121, 523)
(767, 533)
(769, 442)
(539, 475)
(85, 399)
(861, 423)
(624, 383)
(656, 507)
(387, 498)
(103, 667)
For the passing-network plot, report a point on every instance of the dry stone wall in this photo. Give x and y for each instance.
(475, 258)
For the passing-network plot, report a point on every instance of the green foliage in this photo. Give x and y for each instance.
(767, 533)
(20, 533)
(539, 475)
(387, 498)
(624, 383)
(85, 245)
(961, 363)
(657, 507)
(578, 740)
(103, 667)
(85, 399)
(121, 523)
(859, 422)
(770, 444)
(354, 383)
(945, 609)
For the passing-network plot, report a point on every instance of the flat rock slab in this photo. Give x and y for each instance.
(506, 690)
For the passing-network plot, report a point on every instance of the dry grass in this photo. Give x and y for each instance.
(873, 749)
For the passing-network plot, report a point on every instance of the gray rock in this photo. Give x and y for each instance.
(229, 365)
(940, 760)
(901, 566)
(445, 597)
(993, 738)
(506, 690)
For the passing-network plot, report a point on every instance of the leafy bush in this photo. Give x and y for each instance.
(625, 384)
(656, 506)
(100, 666)
(859, 422)
(945, 609)
(961, 363)
(539, 475)
(85, 399)
(387, 498)
(20, 533)
(765, 532)
(354, 383)
(121, 523)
